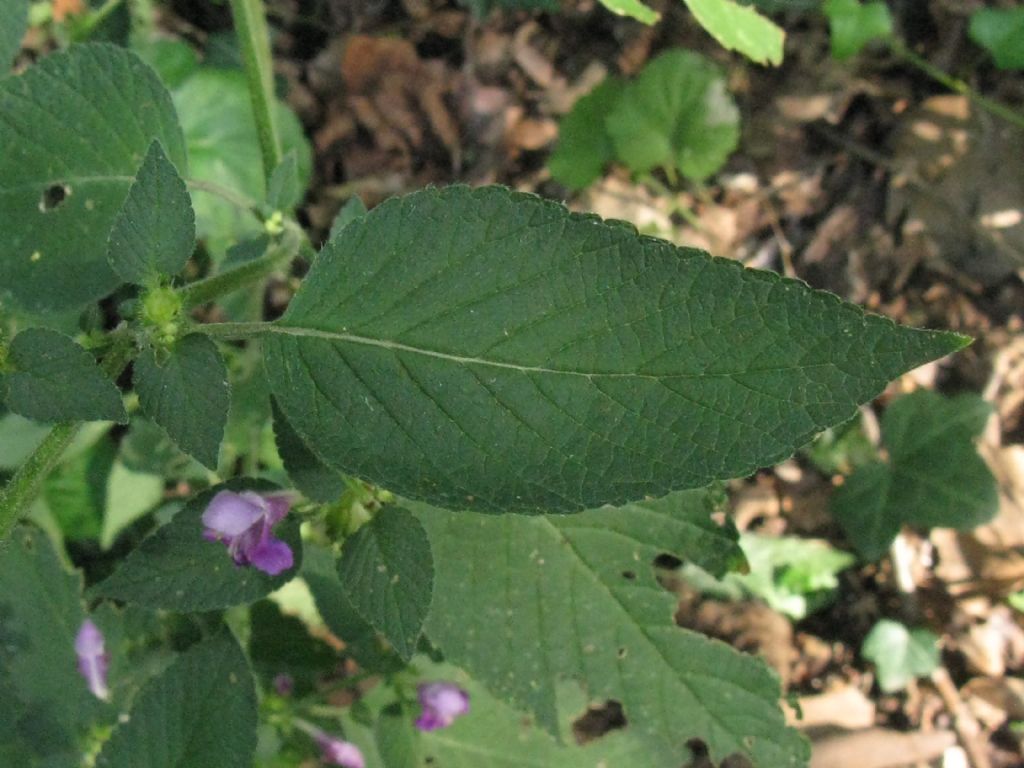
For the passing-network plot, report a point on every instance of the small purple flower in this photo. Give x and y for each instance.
(442, 702)
(338, 752)
(284, 684)
(92, 659)
(244, 521)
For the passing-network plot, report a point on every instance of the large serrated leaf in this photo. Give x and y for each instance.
(388, 571)
(520, 602)
(155, 231)
(187, 394)
(40, 614)
(199, 713)
(74, 129)
(175, 568)
(488, 349)
(55, 380)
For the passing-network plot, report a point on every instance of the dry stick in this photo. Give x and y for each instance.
(967, 729)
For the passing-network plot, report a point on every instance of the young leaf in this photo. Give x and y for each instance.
(310, 475)
(490, 350)
(56, 380)
(284, 191)
(155, 231)
(740, 28)
(677, 115)
(13, 23)
(200, 713)
(73, 135)
(397, 741)
(853, 25)
(41, 613)
(900, 655)
(388, 571)
(934, 476)
(539, 598)
(632, 8)
(584, 146)
(320, 572)
(177, 569)
(216, 116)
(187, 394)
(354, 208)
(1000, 31)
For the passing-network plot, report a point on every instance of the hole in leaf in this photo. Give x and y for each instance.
(667, 562)
(629, 575)
(622, 652)
(599, 720)
(53, 196)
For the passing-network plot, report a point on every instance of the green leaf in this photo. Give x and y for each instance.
(900, 655)
(934, 476)
(283, 190)
(223, 148)
(174, 60)
(853, 25)
(129, 496)
(388, 570)
(632, 8)
(354, 208)
(309, 474)
(489, 349)
(13, 24)
(584, 145)
(175, 568)
(40, 614)
(74, 128)
(542, 598)
(842, 449)
(481, 8)
(1000, 31)
(18, 438)
(199, 713)
(76, 493)
(397, 740)
(282, 644)
(320, 572)
(155, 231)
(55, 380)
(187, 394)
(740, 28)
(678, 116)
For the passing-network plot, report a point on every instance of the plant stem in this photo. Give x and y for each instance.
(22, 489)
(278, 254)
(233, 331)
(955, 84)
(254, 40)
(237, 199)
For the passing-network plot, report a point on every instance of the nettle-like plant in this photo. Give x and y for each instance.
(546, 398)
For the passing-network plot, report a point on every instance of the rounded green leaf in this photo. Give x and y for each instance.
(900, 654)
(1000, 31)
(175, 568)
(388, 571)
(853, 25)
(488, 349)
(55, 380)
(584, 146)
(74, 129)
(13, 23)
(677, 115)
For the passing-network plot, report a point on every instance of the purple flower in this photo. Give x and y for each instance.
(442, 702)
(243, 521)
(338, 752)
(92, 659)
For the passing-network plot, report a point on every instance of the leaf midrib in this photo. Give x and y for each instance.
(395, 346)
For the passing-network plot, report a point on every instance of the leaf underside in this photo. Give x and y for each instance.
(521, 602)
(490, 350)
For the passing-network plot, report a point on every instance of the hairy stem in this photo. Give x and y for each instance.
(956, 85)
(254, 39)
(22, 489)
(278, 255)
(233, 331)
